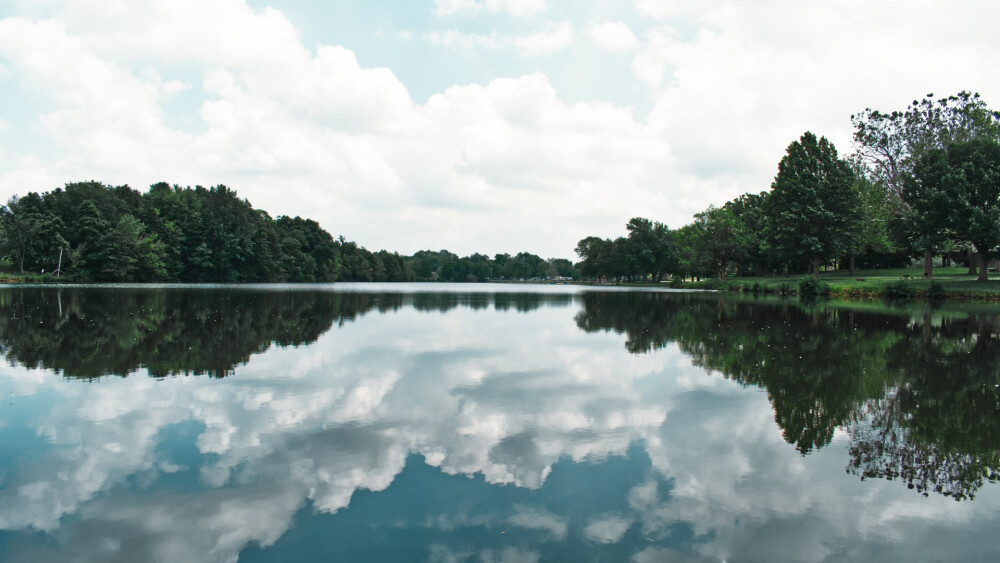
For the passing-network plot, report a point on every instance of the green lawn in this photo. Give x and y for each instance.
(956, 282)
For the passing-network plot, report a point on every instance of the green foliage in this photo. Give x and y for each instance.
(891, 142)
(812, 208)
(115, 233)
(648, 253)
(898, 291)
(749, 212)
(719, 236)
(809, 288)
(428, 265)
(875, 211)
(955, 191)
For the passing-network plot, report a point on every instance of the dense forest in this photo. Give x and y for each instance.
(91, 232)
(94, 232)
(925, 181)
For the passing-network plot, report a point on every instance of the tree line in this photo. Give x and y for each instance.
(924, 181)
(445, 266)
(92, 232)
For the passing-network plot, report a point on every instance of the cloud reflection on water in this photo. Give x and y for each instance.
(475, 392)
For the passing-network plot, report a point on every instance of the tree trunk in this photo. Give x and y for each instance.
(851, 266)
(928, 265)
(983, 268)
(973, 261)
(815, 265)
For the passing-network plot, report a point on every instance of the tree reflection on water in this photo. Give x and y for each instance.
(917, 392)
(919, 399)
(94, 332)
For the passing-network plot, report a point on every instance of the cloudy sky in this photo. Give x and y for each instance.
(472, 125)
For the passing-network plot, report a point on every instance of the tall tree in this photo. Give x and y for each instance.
(812, 208)
(892, 142)
(957, 189)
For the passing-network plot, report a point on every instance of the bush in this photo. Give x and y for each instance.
(676, 281)
(898, 291)
(785, 288)
(713, 283)
(810, 287)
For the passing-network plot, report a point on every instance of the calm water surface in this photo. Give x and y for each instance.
(492, 423)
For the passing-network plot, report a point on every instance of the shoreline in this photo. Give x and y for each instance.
(833, 286)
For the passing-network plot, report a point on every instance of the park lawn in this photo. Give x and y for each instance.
(957, 282)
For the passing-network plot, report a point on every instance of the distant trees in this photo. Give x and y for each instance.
(647, 253)
(443, 265)
(170, 233)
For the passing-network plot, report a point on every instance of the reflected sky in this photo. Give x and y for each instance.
(456, 428)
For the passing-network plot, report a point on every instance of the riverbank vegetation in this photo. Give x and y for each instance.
(922, 187)
(923, 184)
(92, 232)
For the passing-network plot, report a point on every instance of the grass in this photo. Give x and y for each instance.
(10, 274)
(956, 283)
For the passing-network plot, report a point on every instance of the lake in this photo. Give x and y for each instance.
(437, 422)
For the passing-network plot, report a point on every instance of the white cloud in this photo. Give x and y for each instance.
(734, 84)
(556, 38)
(609, 528)
(616, 37)
(537, 519)
(544, 43)
(459, 40)
(171, 87)
(517, 8)
(313, 131)
(449, 7)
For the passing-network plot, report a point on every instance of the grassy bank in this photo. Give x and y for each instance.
(9, 274)
(904, 283)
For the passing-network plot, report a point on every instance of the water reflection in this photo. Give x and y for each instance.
(93, 332)
(377, 428)
(920, 396)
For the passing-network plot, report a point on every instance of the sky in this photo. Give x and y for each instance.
(470, 125)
